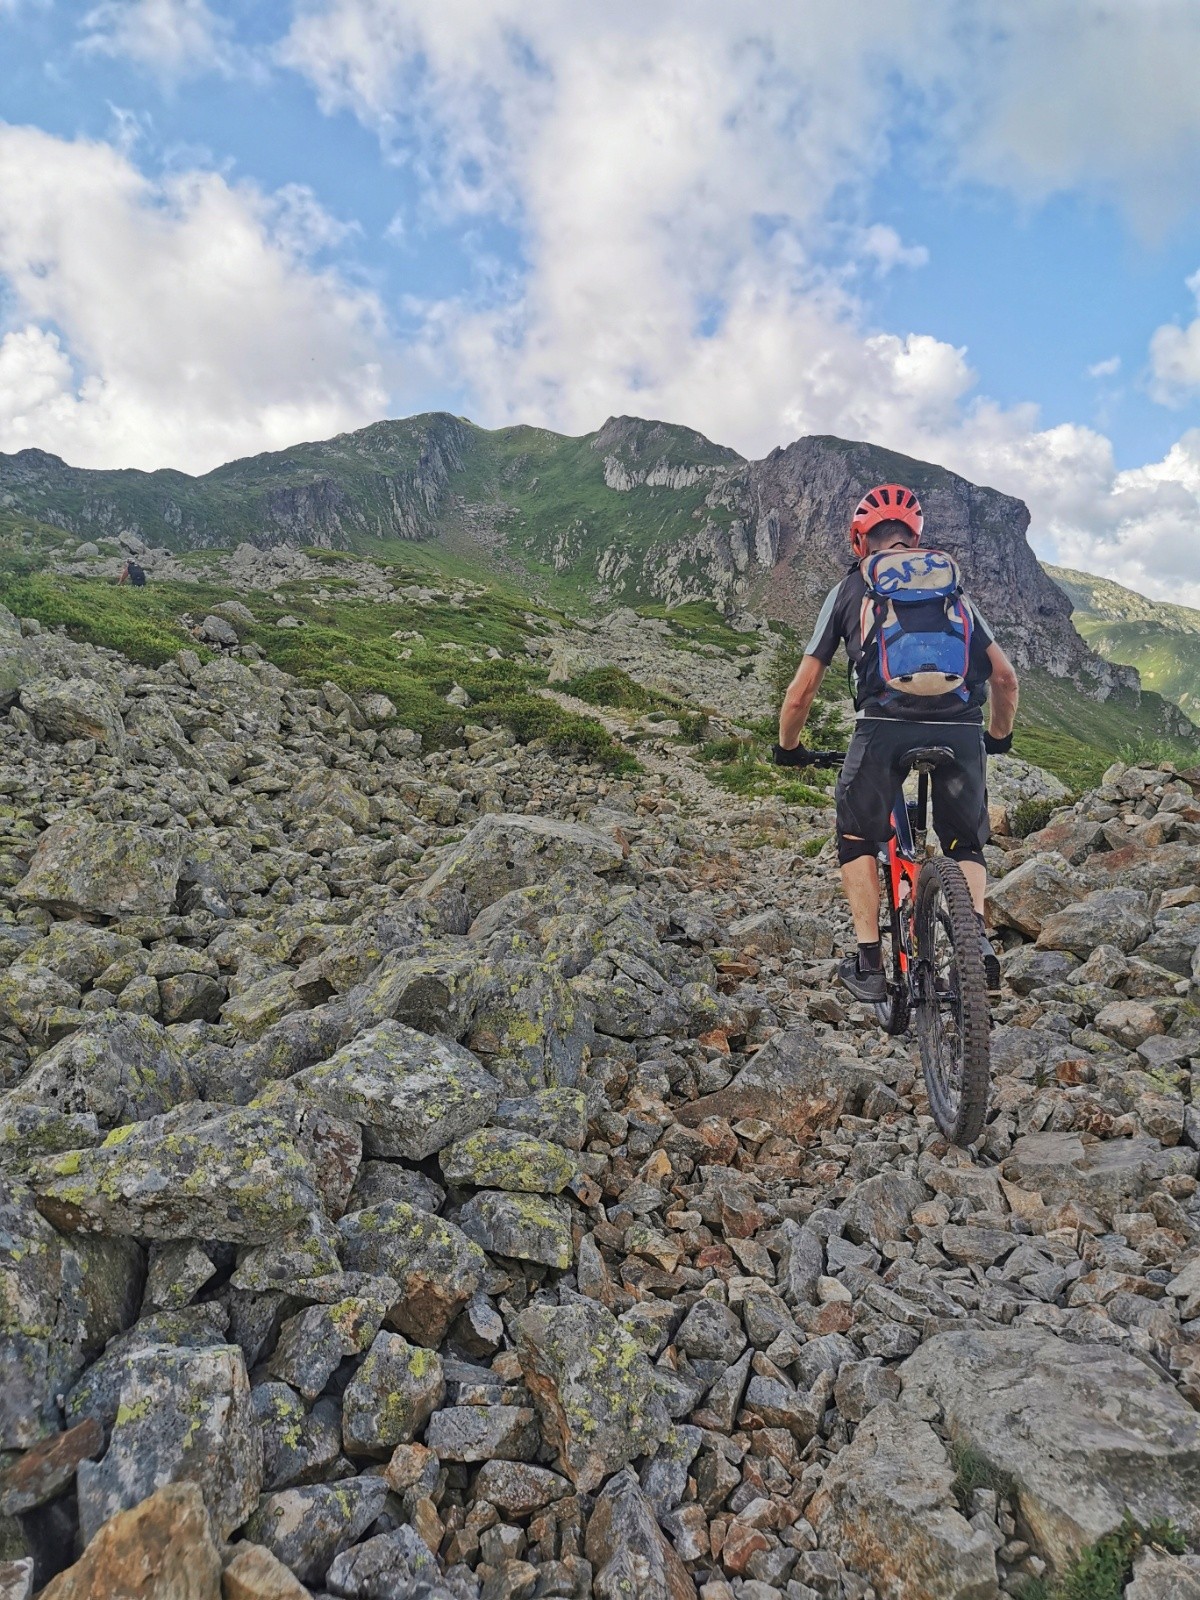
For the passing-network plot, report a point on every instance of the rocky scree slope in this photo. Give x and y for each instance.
(457, 1175)
(638, 510)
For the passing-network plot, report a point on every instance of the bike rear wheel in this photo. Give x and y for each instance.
(953, 1019)
(893, 1013)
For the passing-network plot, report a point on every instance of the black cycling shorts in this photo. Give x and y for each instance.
(871, 775)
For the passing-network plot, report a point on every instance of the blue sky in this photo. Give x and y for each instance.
(964, 230)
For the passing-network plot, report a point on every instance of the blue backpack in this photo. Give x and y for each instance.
(916, 632)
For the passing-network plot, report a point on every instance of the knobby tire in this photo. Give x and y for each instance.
(944, 914)
(892, 1014)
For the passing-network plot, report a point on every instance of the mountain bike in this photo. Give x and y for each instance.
(932, 956)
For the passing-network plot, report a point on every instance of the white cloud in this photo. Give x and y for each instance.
(676, 175)
(172, 38)
(168, 323)
(1108, 368)
(883, 246)
(1175, 357)
(1051, 96)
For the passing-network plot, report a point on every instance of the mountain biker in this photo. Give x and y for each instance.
(888, 725)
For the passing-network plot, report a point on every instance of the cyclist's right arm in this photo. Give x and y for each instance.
(1002, 693)
(797, 702)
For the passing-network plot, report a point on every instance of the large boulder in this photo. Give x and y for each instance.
(1118, 917)
(503, 852)
(1087, 1433)
(183, 1416)
(161, 1549)
(794, 1083)
(436, 1266)
(239, 1176)
(628, 1550)
(886, 1507)
(61, 1300)
(593, 1386)
(1030, 894)
(104, 869)
(120, 1068)
(74, 708)
(305, 1528)
(412, 1094)
(1105, 1174)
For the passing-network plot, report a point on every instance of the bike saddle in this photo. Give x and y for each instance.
(928, 758)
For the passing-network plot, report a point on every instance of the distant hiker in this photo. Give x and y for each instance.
(922, 656)
(132, 573)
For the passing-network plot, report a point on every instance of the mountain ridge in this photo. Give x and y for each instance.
(639, 509)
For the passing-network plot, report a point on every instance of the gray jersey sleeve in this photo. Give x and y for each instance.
(827, 635)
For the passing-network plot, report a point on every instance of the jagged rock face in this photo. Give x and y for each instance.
(812, 487)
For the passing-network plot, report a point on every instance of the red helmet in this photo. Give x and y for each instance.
(887, 502)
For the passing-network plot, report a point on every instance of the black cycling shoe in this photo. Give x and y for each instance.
(870, 987)
(991, 964)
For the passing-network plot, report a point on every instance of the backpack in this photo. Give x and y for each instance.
(136, 576)
(916, 632)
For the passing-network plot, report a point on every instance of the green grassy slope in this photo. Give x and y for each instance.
(1161, 640)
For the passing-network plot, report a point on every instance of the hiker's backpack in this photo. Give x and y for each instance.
(916, 633)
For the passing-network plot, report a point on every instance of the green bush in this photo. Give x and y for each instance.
(693, 726)
(1102, 1571)
(608, 686)
(1031, 816)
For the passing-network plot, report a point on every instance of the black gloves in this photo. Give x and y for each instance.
(997, 747)
(799, 757)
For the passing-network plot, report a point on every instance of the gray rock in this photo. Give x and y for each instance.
(483, 1433)
(98, 1392)
(501, 853)
(879, 1210)
(385, 1180)
(1174, 940)
(74, 708)
(119, 1068)
(1087, 1432)
(437, 1267)
(61, 1300)
(1107, 1175)
(299, 1446)
(627, 1549)
(517, 1489)
(1159, 1576)
(1028, 896)
(793, 1083)
(238, 1177)
(801, 1263)
(711, 1332)
(556, 1114)
(107, 869)
(307, 1527)
(527, 1227)
(412, 1094)
(886, 1507)
(500, 1158)
(863, 1385)
(184, 1416)
(593, 1386)
(1106, 916)
(391, 1397)
(391, 1566)
(1027, 968)
(314, 1343)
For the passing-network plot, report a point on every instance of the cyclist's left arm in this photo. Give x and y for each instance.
(1002, 693)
